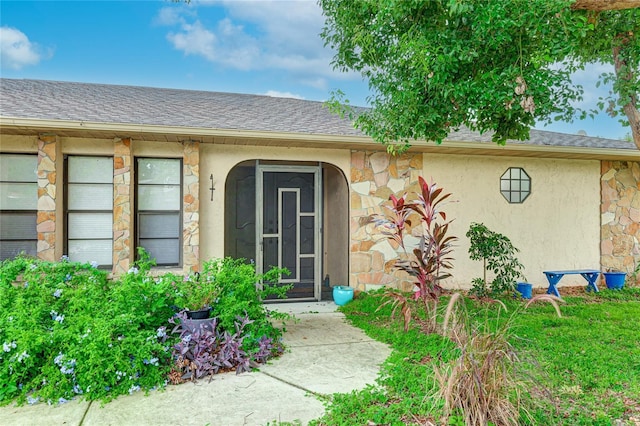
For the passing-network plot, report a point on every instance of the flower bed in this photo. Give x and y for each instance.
(67, 330)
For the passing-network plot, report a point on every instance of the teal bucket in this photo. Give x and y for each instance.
(342, 294)
(525, 289)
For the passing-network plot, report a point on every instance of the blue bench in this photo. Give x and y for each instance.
(591, 275)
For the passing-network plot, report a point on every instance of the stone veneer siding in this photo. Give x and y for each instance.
(375, 176)
(191, 206)
(46, 218)
(122, 197)
(620, 215)
(122, 160)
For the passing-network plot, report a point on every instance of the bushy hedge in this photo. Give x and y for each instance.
(66, 330)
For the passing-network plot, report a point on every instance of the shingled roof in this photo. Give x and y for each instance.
(103, 103)
(116, 104)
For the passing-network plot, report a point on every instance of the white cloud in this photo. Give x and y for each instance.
(194, 39)
(16, 49)
(277, 94)
(169, 16)
(237, 48)
(227, 44)
(588, 78)
(289, 34)
(316, 82)
(258, 35)
(291, 25)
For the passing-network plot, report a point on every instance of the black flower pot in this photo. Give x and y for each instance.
(199, 314)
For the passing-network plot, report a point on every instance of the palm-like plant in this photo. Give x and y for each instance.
(431, 258)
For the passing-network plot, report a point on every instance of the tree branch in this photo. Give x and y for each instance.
(630, 109)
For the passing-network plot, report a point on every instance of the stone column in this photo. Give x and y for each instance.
(191, 207)
(620, 215)
(374, 177)
(46, 219)
(122, 159)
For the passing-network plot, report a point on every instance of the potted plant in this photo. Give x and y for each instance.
(614, 279)
(197, 293)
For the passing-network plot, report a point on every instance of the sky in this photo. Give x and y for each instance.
(260, 47)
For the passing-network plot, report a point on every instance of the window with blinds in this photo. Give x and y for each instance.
(158, 209)
(89, 209)
(18, 204)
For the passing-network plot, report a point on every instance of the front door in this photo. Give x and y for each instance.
(288, 225)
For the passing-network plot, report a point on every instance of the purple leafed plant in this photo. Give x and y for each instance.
(265, 350)
(429, 261)
(204, 349)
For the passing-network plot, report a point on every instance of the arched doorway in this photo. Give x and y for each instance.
(293, 215)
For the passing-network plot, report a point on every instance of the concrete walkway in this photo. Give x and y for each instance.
(325, 356)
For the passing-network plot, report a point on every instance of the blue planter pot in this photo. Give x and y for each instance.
(614, 280)
(525, 289)
(342, 294)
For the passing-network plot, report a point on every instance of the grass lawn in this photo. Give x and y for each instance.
(581, 369)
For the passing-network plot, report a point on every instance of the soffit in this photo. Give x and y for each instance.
(240, 137)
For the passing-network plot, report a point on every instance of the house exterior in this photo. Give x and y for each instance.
(93, 171)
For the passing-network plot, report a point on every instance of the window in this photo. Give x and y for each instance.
(89, 212)
(18, 204)
(515, 185)
(159, 202)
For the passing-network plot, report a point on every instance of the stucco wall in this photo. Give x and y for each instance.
(19, 144)
(220, 159)
(557, 226)
(213, 159)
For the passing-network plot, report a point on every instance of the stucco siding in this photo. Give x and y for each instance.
(556, 227)
(220, 159)
(19, 144)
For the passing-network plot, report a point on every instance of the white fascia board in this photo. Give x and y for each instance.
(461, 147)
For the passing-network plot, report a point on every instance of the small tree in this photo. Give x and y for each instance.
(498, 255)
(492, 66)
(427, 262)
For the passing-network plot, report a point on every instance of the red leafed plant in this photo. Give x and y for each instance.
(429, 261)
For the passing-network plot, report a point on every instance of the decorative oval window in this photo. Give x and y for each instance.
(515, 185)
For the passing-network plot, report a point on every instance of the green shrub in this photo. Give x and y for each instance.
(499, 256)
(198, 291)
(66, 330)
(239, 297)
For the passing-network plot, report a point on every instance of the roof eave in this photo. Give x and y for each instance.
(528, 150)
(17, 125)
(127, 130)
